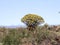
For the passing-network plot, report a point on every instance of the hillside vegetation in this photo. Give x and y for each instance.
(22, 36)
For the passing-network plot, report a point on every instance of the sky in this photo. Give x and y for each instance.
(11, 11)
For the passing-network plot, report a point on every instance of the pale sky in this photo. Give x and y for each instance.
(11, 11)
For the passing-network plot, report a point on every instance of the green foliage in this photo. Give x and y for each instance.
(12, 38)
(7, 41)
(32, 20)
(15, 37)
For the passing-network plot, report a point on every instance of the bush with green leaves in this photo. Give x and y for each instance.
(32, 20)
(15, 37)
(12, 38)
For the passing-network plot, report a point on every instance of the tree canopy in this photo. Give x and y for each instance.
(32, 20)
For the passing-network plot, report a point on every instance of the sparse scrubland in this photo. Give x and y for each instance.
(32, 35)
(23, 36)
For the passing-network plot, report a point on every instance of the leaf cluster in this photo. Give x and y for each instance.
(32, 19)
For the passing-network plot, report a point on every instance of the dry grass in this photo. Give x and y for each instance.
(22, 36)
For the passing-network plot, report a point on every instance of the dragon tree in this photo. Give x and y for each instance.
(32, 21)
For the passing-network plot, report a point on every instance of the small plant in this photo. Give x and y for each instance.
(32, 21)
(12, 38)
(7, 40)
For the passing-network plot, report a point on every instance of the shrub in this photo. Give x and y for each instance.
(12, 38)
